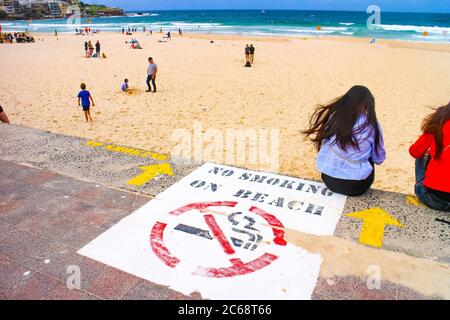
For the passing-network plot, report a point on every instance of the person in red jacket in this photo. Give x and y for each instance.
(432, 154)
(3, 116)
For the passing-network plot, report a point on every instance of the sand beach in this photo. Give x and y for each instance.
(204, 83)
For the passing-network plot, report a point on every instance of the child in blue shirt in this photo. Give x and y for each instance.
(84, 100)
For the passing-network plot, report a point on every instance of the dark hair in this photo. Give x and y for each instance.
(434, 123)
(126, 80)
(83, 86)
(150, 58)
(338, 119)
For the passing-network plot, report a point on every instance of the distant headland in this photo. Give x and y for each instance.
(52, 9)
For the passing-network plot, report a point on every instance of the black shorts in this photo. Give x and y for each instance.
(86, 108)
(351, 188)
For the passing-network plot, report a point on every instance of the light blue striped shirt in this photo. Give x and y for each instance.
(352, 164)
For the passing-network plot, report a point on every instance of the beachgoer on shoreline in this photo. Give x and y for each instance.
(252, 54)
(97, 49)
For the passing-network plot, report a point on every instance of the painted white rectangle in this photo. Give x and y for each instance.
(257, 265)
(231, 180)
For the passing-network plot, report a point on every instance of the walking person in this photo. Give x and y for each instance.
(86, 49)
(97, 49)
(151, 74)
(252, 53)
(247, 53)
(84, 101)
(91, 49)
(432, 154)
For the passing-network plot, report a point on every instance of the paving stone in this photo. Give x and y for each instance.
(15, 189)
(66, 185)
(113, 199)
(11, 273)
(60, 228)
(7, 205)
(57, 264)
(48, 200)
(387, 291)
(90, 270)
(174, 295)
(34, 287)
(20, 214)
(96, 217)
(26, 172)
(62, 292)
(316, 296)
(112, 283)
(405, 293)
(4, 229)
(146, 290)
(8, 168)
(40, 178)
(93, 194)
(28, 248)
(337, 287)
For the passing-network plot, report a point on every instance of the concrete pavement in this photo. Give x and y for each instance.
(59, 192)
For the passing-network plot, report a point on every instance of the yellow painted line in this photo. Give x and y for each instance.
(151, 172)
(129, 151)
(374, 221)
(413, 200)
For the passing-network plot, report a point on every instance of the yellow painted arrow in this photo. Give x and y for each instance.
(374, 220)
(150, 172)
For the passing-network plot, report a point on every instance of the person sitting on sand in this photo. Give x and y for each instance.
(3, 116)
(84, 101)
(125, 85)
(349, 139)
(432, 154)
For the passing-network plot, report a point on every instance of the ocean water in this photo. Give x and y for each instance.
(430, 27)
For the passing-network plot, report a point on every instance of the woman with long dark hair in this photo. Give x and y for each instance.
(349, 139)
(432, 154)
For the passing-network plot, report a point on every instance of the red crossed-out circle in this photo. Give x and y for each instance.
(237, 267)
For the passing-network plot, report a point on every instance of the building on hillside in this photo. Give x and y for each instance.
(12, 7)
(57, 8)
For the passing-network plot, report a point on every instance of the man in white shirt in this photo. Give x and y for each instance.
(151, 74)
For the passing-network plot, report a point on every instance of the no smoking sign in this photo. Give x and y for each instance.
(241, 235)
(220, 231)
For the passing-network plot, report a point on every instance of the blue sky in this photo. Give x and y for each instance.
(360, 5)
